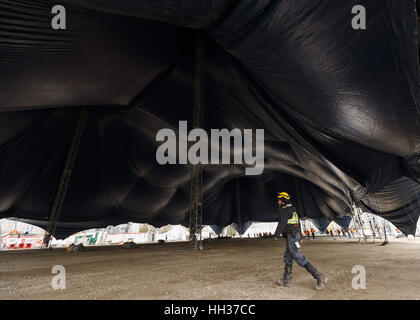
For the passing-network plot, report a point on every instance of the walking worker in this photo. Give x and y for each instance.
(313, 233)
(289, 227)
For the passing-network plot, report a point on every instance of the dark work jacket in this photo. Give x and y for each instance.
(286, 213)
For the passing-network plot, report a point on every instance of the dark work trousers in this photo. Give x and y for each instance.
(293, 252)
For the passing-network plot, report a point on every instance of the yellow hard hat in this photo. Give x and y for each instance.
(283, 195)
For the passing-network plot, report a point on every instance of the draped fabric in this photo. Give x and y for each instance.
(340, 108)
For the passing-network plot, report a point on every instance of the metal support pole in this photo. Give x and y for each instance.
(375, 224)
(196, 194)
(359, 222)
(61, 192)
(238, 207)
(385, 234)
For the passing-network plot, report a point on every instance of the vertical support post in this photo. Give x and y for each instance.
(377, 228)
(385, 234)
(196, 194)
(238, 207)
(359, 222)
(61, 192)
(362, 227)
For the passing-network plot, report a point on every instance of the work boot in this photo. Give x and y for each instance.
(321, 280)
(287, 276)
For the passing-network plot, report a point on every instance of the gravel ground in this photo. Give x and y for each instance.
(225, 269)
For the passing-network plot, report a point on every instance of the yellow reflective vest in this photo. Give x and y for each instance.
(294, 219)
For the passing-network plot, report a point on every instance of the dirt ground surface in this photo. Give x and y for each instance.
(225, 269)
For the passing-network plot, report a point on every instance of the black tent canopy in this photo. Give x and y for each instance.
(340, 108)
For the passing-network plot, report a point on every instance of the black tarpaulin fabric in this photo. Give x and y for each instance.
(340, 108)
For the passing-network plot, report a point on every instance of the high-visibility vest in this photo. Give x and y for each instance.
(294, 219)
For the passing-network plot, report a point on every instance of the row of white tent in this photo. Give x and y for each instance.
(19, 235)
